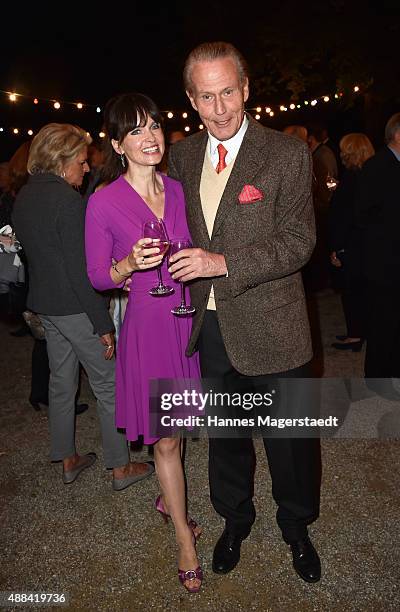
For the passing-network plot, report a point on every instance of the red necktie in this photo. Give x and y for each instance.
(221, 162)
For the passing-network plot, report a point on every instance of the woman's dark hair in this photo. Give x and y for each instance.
(122, 114)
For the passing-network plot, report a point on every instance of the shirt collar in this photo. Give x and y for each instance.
(395, 153)
(231, 144)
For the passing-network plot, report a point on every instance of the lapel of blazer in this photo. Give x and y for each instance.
(195, 166)
(247, 163)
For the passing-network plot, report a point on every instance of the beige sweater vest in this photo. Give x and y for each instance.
(212, 187)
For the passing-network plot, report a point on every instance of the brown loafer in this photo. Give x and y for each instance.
(72, 475)
(119, 484)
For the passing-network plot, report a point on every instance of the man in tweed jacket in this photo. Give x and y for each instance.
(249, 210)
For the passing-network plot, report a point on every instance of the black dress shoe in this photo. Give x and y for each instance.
(226, 552)
(305, 560)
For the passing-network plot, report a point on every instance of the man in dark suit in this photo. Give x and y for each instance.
(378, 217)
(249, 209)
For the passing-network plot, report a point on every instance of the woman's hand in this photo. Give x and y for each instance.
(141, 258)
(109, 342)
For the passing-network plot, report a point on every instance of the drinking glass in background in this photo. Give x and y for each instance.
(331, 182)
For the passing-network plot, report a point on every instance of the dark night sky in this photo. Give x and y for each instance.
(88, 53)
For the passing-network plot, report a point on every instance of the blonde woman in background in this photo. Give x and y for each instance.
(345, 240)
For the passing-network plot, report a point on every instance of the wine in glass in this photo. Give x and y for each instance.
(155, 229)
(183, 309)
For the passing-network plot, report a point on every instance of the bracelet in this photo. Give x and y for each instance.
(114, 267)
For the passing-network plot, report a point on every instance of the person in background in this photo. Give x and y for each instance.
(171, 138)
(49, 219)
(299, 131)
(96, 162)
(378, 217)
(345, 240)
(317, 272)
(4, 179)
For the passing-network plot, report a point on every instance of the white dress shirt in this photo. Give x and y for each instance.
(232, 145)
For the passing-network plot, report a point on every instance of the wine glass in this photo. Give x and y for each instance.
(183, 308)
(155, 229)
(331, 182)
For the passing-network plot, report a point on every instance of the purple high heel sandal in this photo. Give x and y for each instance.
(191, 575)
(191, 522)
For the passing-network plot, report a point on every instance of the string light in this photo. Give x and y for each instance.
(14, 97)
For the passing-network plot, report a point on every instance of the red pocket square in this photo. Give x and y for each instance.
(250, 194)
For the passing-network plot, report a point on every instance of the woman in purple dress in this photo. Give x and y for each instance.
(153, 341)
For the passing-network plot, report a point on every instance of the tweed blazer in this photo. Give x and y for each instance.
(261, 306)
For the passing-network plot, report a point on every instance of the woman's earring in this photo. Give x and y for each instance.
(63, 174)
(122, 158)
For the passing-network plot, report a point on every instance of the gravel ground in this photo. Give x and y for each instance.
(111, 551)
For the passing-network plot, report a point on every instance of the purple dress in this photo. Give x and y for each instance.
(152, 342)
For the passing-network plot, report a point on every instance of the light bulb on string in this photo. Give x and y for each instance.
(35, 101)
(79, 105)
(326, 98)
(201, 126)
(98, 109)
(101, 134)
(187, 128)
(258, 117)
(292, 106)
(356, 89)
(170, 115)
(30, 133)
(57, 105)
(13, 97)
(184, 115)
(15, 131)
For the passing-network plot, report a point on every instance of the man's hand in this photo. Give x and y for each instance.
(196, 263)
(108, 341)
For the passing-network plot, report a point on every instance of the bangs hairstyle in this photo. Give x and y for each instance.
(355, 149)
(54, 146)
(208, 52)
(123, 114)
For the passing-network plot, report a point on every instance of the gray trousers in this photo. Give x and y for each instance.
(70, 340)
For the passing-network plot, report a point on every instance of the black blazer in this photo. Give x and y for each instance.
(343, 232)
(378, 217)
(49, 219)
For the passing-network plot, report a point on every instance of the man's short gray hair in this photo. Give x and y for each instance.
(392, 126)
(208, 52)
